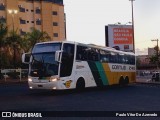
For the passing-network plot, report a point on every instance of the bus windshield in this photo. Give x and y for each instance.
(47, 47)
(43, 62)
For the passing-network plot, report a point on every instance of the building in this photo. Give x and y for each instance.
(151, 51)
(143, 63)
(44, 15)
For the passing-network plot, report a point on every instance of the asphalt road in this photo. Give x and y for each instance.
(136, 97)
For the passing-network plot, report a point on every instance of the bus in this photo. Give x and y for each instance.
(72, 65)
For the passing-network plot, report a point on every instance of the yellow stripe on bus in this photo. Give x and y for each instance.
(113, 77)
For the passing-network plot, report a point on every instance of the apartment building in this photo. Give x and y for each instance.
(44, 15)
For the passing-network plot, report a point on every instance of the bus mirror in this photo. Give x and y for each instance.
(26, 58)
(57, 56)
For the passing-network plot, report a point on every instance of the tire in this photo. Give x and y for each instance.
(121, 81)
(80, 85)
(126, 80)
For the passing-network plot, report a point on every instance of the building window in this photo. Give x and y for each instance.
(21, 9)
(56, 1)
(54, 13)
(38, 22)
(55, 24)
(38, 11)
(2, 6)
(27, 21)
(22, 21)
(22, 32)
(32, 21)
(2, 19)
(32, 10)
(55, 34)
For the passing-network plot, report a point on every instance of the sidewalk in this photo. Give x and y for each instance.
(145, 80)
(13, 81)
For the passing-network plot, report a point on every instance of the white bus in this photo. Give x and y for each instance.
(69, 65)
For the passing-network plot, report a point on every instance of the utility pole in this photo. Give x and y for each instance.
(133, 25)
(13, 13)
(157, 53)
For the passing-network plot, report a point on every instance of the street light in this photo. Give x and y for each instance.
(117, 23)
(133, 25)
(128, 23)
(12, 13)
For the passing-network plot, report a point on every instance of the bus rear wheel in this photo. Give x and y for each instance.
(80, 84)
(121, 81)
(126, 80)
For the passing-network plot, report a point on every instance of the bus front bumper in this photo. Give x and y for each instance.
(46, 85)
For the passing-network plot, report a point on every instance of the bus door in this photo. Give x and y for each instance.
(67, 61)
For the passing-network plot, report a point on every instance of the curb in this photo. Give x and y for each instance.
(149, 83)
(13, 83)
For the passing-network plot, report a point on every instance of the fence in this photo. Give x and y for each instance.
(20, 75)
(148, 76)
(13, 75)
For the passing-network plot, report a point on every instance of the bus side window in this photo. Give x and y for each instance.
(133, 60)
(108, 56)
(121, 57)
(130, 59)
(84, 53)
(104, 56)
(113, 57)
(89, 51)
(79, 53)
(96, 55)
(127, 59)
(93, 54)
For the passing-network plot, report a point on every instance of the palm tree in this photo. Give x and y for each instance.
(31, 38)
(3, 33)
(14, 44)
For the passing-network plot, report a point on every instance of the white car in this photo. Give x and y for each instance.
(156, 77)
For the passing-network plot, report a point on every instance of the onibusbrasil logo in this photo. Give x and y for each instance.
(21, 114)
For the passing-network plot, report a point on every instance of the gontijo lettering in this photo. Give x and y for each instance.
(119, 67)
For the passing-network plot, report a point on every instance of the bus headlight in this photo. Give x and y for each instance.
(29, 79)
(54, 79)
(31, 87)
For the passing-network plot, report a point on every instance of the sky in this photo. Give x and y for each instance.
(86, 20)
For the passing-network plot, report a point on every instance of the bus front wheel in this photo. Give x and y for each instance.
(80, 84)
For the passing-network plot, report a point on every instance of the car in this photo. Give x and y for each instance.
(1, 76)
(156, 77)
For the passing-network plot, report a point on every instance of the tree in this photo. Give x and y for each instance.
(31, 38)
(3, 33)
(3, 55)
(155, 59)
(14, 45)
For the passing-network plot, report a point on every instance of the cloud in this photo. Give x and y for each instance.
(142, 51)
